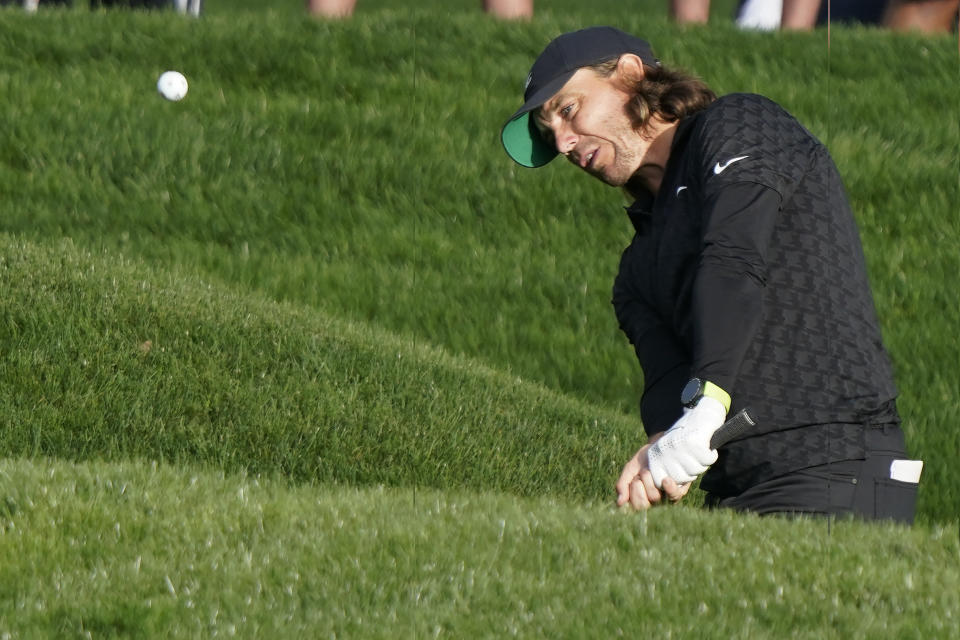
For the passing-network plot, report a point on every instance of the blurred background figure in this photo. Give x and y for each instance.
(690, 11)
(183, 6)
(331, 8)
(800, 15)
(902, 15)
(507, 9)
(754, 14)
(32, 5)
(763, 15)
(192, 7)
(928, 16)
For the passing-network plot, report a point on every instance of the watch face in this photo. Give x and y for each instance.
(691, 392)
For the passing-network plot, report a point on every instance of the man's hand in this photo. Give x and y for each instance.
(636, 486)
(683, 452)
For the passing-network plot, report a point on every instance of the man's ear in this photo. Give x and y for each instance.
(630, 69)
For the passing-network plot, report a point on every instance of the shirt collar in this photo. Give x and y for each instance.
(641, 211)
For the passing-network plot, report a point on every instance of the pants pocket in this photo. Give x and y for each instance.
(894, 500)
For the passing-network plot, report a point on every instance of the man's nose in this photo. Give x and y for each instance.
(566, 141)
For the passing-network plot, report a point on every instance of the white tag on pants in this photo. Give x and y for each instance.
(906, 470)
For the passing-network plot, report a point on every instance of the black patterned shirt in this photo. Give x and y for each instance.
(747, 270)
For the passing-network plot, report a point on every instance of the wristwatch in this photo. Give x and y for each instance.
(697, 388)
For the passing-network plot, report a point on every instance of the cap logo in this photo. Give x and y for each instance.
(526, 85)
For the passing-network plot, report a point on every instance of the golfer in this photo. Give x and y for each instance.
(744, 286)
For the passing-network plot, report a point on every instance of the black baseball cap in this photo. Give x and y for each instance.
(551, 70)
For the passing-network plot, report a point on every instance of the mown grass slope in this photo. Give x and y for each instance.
(140, 550)
(103, 359)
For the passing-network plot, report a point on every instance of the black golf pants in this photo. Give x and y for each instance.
(859, 488)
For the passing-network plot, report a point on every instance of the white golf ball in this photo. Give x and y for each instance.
(172, 85)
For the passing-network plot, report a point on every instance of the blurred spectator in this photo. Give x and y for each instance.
(852, 11)
(799, 15)
(331, 8)
(507, 9)
(763, 15)
(31, 5)
(757, 14)
(193, 7)
(768, 15)
(690, 11)
(902, 15)
(133, 4)
(183, 6)
(927, 16)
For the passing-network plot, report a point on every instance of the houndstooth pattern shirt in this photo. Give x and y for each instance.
(747, 270)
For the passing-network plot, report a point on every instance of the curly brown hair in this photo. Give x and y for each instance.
(669, 93)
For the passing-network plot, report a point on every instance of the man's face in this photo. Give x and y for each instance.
(588, 123)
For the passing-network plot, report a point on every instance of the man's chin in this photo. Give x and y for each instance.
(613, 181)
(604, 176)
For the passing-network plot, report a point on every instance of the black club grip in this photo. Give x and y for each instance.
(736, 427)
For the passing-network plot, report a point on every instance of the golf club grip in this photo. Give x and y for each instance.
(732, 429)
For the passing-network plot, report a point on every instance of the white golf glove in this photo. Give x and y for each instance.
(684, 452)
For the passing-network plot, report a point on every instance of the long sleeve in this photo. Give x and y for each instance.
(728, 290)
(665, 363)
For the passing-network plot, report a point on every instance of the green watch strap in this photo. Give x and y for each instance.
(713, 391)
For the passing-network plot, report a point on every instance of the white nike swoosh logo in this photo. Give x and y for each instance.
(679, 189)
(720, 168)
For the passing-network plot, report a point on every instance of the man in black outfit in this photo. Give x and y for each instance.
(744, 287)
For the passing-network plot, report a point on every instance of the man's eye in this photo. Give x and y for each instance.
(566, 111)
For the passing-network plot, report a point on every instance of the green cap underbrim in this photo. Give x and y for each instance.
(523, 143)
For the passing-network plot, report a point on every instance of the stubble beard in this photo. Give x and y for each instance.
(627, 160)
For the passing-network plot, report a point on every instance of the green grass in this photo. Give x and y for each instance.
(104, 359)
(319, 278)
(141, 550)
